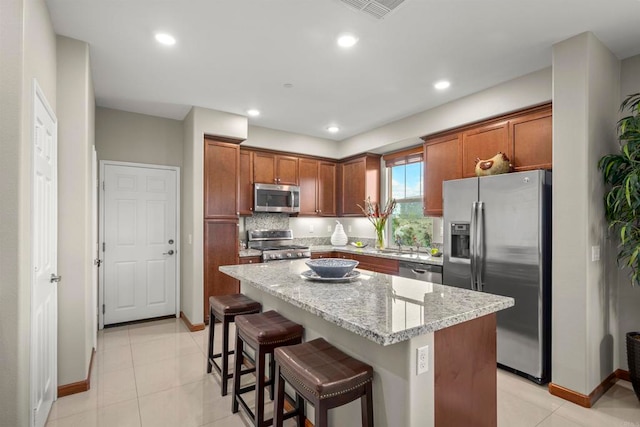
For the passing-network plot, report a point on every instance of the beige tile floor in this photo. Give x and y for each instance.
(154, 374)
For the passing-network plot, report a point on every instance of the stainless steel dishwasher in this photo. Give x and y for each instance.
(425, 272)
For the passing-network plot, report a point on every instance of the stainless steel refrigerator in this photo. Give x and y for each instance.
(497, 239)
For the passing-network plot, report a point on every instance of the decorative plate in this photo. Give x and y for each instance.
(310, 275)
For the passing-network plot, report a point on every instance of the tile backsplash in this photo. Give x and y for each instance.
(316, 231)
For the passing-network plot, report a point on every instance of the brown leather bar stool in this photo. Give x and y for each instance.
(263, 332)
(326, 377)
(225, 308)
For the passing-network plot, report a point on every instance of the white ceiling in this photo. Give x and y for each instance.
(232, 55)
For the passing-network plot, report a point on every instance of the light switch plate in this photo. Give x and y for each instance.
(595, 253)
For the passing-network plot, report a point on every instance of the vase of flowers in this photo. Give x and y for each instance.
(378, 217)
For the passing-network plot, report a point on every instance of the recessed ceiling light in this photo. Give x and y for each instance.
(288, 85)
(347, 40)
(253, 113)
(333, 129)
(442, 84)
(165, 39)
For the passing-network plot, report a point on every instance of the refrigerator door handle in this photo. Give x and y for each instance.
(480, 247)
(472, 244)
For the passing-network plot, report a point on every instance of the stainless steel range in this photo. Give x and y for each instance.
(275, 245)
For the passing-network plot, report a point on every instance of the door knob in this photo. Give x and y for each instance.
(171, 252)
(54, 278)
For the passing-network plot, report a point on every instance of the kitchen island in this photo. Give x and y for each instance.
(384, 320)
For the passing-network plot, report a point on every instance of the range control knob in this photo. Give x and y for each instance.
(299, 254)
(289, 255)
(273, 257)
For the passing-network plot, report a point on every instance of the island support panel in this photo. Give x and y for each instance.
(465, 374)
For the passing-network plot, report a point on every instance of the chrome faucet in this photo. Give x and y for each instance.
(398, 241)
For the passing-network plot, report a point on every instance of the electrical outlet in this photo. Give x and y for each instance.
(329, 228)
(190, 239)
(595, 253)
(422, 360)
(349, 229)
(311, 228)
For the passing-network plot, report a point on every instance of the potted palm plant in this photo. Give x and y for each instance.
(621, 172)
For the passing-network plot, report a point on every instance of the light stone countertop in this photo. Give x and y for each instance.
(383, 308)
(422, 257)
(249, 252)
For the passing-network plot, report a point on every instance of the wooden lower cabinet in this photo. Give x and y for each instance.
(220, 248)
(316, 255)
(250, 260)
(365, 262)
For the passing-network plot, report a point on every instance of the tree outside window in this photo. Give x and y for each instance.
(408, 225)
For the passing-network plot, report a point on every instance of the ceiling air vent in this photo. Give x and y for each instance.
(378, 9)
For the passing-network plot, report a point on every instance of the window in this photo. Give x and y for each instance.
(408, 225)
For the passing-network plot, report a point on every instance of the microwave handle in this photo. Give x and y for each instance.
(292, 199)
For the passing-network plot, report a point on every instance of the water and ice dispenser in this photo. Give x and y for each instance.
(460, 239)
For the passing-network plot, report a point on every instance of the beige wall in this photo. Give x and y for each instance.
(27, 51)
(197, 123)
(76, 109)
(627, 313)
(138, 138)
(272, 139)
(586, 86)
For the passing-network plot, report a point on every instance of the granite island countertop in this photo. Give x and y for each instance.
(385, 309)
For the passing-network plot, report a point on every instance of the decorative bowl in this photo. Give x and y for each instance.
(331, 267)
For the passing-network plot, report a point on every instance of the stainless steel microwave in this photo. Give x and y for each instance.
(276, 198)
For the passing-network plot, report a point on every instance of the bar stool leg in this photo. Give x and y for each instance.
(272, 372)
(301, 410)
(366, 403)
(278, 405)
(260, 371)
(212, 324)
(236, 370)
(225, 355)
(322, 413)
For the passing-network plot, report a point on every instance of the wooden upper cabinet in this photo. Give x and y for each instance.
(221, 183)
(531, 140)
(442, 159)
(264, 168)
(317, 187)
(327, 189)
(269, 168)
(246, 182)
(483, 142)
(287, 170)
(308, 187)
(359, 179)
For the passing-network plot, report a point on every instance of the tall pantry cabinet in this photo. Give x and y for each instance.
(221, 209)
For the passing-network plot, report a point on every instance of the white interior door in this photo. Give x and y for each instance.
(44, 290)
(96, 245)
(140, 242)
